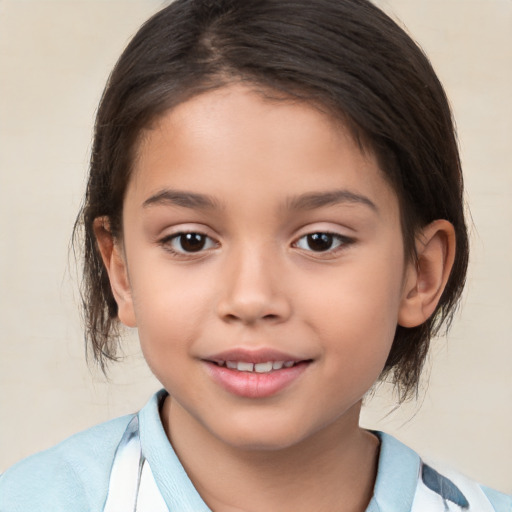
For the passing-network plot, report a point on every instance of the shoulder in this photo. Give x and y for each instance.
(71, 476)
(406, 483)
(452, 490)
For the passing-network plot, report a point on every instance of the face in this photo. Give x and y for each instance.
(265, 266)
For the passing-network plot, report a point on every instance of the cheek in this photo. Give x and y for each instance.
(169, 308)
(358, 311)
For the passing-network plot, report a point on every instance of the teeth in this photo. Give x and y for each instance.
(245, 367)
(256, 367)
(263, 367)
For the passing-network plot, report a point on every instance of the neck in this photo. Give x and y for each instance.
(332, 470)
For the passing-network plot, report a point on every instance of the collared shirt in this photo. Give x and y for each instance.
(128, 465)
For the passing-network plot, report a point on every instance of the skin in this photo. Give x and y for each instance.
(257, 283)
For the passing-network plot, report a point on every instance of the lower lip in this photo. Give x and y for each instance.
(252, 384)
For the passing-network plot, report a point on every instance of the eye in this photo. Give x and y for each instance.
(186, 243)
(321, 242)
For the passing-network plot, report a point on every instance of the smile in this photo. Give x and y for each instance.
(255, 375)
(266, 367)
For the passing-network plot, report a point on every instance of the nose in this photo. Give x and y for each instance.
(252, 290)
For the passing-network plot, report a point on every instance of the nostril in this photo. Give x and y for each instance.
(249, 319)
(249, 308)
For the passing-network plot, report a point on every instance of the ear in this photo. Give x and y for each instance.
(426, 277)
(115, 264)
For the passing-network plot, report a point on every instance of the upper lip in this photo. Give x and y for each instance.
(262, 355)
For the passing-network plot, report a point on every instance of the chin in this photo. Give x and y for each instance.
(264, 436)
(259, 443)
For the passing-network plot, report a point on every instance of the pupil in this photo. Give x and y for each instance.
(192, 242)
(320, 241)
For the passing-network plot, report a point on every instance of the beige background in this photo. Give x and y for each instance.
(54, 59)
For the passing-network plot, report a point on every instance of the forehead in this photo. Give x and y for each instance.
(236, 138)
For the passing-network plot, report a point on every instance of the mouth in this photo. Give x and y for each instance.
(265, 367)
(257, 373)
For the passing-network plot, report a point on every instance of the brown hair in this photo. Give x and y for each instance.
(346, 56)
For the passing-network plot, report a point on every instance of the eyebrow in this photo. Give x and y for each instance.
(313, 200)
(307, 201)
(181, 198)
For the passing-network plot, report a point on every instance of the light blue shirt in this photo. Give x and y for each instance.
(74, 476)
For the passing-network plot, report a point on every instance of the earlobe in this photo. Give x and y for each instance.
(426, 277)
(115, 264)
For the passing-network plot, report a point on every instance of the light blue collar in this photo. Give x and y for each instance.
(132, 487)
(397, 476)
(147, 475)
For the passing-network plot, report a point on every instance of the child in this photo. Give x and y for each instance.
(275, 202)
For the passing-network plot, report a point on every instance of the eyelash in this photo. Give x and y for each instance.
(206, 243)
(325, 236)
(168, 243)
